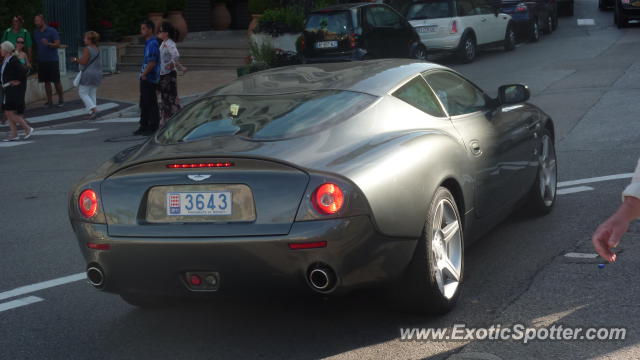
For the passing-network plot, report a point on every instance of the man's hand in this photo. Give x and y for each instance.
(143, 77)
(45, 42)
(609, 233)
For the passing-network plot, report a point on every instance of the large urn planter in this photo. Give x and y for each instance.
(220, 16)
(177, 20)
(156, 18)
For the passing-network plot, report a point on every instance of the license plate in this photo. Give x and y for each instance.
(326, 44)
(428, 29)
(206, 203)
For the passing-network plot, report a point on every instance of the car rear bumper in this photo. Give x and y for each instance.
(448, 43)
(358, 54)
(357, 254)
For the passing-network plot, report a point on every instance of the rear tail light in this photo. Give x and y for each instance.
(454, 27)
(328, 199)
(522, 8)
(302, 43)
(88, 203)
(353, 40)
(200, 165)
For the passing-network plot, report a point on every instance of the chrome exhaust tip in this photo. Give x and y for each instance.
(95, 277)
(321, 278)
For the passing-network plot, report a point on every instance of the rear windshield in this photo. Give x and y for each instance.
(430, 10)
(269, 117)
(338, 23)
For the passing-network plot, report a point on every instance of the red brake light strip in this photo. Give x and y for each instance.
(201, 165)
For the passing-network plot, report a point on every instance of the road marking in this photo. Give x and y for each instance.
(581, 255)
(70, 113)
(595, 179)
(42, 285)
(19, 303)
(14, 143)
(63, 132)
(573, 190)
(586, 22)
(119, 120)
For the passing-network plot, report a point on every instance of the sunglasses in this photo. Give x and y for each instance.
(19, 42)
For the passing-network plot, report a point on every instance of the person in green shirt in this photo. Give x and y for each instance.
(18, 31)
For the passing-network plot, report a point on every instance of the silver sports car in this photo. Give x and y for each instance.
(324, 177)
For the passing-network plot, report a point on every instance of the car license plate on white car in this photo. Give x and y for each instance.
(326, 44)
(428, 29)
(206, 203)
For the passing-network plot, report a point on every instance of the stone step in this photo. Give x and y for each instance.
(196, 51)
(135, 67)
(190, 60)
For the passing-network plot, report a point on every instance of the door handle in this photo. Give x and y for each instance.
(484, 19)
(475, 147)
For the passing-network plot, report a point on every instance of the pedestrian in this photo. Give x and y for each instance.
(168, 86)
(149, 78)
(609, 233)
(16, 31)
(47, 40)
(13, 76)
(91, 73)
(20, 53)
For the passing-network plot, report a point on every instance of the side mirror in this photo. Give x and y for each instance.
(513, 94)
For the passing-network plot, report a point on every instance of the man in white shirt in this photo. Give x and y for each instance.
(609, 233)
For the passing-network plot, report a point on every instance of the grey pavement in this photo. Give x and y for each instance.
(584, 77)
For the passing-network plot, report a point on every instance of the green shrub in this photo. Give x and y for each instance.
(155, 5)
(321, 4)
(283, 20)
(263, 54)
(125, 15)
(260, 6)
(25, 8)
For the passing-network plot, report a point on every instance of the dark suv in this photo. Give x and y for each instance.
(532, 17)
(359, 32)
(625, 10)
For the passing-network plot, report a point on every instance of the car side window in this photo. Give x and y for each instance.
(384, 17)
(459, 96)
(481, 7)
(418, 94)
(465, 8)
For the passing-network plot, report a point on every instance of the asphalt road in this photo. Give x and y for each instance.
(585, 77)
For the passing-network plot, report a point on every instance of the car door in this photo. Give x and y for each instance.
(488, 22)
(470, 19)
(497, 141)
(389, 30)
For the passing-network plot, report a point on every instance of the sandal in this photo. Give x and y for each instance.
(28, 135)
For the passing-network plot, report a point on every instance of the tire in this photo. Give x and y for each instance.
(420, 53)
(570, 8)
(619, 19)
(467, 50)
(542, 196)
(601, 5)
(510, 38)
(548, 27)
(433, 280)
(535, 34)
(555, 19)
(146, 301)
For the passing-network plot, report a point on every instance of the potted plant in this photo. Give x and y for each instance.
(156, 10)
(220, 15)
(256, 9)
(175, 16)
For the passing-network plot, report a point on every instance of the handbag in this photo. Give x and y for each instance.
(76, 80)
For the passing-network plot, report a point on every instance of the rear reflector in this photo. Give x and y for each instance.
(200, 165)
(98, 246)
(309, 245)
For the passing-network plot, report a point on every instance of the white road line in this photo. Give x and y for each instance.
(63, 132)
(118, 120)
(581, 255)
(19, 302)
(595, 179)
(68, 114)
(573, 190)
(42, 285)
(586, 22)
(14, 143)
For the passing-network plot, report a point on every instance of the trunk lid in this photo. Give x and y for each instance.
(251, 197)
(328, 33)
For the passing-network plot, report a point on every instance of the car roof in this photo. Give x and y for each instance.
(375, 77)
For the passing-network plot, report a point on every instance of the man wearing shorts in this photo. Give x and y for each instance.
(47, 40)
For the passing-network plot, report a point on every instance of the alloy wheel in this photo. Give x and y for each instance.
(548, 171)
(446, 247)
(469, 49)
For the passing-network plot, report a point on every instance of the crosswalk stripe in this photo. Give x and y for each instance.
(62, 132)
(118, 120)
(14, 143)
(69, 114)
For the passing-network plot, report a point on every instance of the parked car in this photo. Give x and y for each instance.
(359, 32)
(461, 26)
(532, 18)
(565, 7)
(321, 178)
(626, 10)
